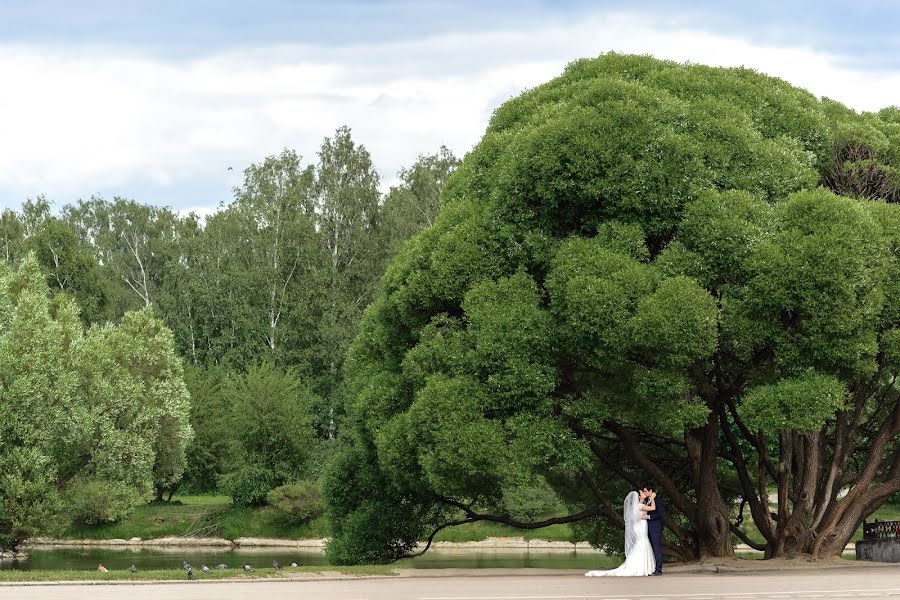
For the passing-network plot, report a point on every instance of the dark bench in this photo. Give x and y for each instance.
(880, 543)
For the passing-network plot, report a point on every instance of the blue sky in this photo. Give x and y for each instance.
(154, 100)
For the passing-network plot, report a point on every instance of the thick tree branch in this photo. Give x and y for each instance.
(681, 501)
(474, 516)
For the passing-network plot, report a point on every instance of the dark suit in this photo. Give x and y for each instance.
(654, 530)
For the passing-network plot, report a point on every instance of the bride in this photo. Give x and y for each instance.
(639, 559)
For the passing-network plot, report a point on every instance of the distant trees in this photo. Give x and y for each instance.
(260, 301)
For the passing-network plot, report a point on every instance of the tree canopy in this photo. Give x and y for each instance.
(644, 270)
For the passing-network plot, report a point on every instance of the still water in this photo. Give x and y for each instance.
(170, 558)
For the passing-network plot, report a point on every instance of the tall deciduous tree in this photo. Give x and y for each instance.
(636, 276)
(414, 204)
(134, 243)
(347, 209)
(71, 268)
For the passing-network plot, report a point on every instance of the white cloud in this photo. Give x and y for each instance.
(91, 119)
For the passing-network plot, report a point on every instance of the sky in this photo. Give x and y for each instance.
(156, 100)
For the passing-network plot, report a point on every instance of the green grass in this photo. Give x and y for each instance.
(475, 532)
(201, 516)
(179, 574)
(203, 500)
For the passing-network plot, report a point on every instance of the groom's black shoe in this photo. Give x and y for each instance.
(656, 573)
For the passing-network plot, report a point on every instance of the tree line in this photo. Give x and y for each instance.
(262, 299)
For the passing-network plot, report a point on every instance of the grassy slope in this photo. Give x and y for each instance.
(206, 516)
(215, 516)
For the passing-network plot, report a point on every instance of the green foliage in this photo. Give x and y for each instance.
(70, 268)
(210, 454)
(299, 502)
(97, 404)
(631, 247)
(93, 501)
(269, 415)
(248, 484)
(414, 204)
(801, 404)
(529, 503)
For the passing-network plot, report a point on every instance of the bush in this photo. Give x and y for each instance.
(530, 503)
(297, 503)
(272, 431)
(95, 501)
(248, 485)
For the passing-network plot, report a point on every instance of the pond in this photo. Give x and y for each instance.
(87, 558)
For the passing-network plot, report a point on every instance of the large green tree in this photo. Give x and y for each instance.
(103, 406)
(637, 275)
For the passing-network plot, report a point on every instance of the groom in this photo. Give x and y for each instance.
(654, 525)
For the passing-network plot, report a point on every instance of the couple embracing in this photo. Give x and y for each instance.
(643, 515)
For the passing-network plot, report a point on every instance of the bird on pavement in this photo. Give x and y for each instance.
(276, 565)
(293, 564)
(190, 571)
(204, 568)
(221, 566)
(132, 569)
(248, 568)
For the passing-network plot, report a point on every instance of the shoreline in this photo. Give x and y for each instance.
(313, 544)
(318, 544)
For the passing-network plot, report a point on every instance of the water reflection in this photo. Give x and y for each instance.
(120, 558)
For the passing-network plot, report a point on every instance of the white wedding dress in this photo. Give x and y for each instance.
(639, 560)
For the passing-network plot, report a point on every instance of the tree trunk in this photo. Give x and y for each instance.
(711, 522)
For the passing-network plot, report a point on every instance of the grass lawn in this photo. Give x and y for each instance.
(473, 532)
(179, 574)
(199, 516)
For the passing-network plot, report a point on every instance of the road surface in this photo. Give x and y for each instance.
(857, 583)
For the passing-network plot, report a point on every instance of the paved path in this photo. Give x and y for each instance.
(857, 583)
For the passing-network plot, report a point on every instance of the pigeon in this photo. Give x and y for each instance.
(204, 568)
(276, 565)
(293, 564)
(132, 569)
(186, 566)
(248, 568)
(221, 566)
(190, 571)
(102, 569)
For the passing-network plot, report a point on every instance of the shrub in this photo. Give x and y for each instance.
(95, 501)
(297, 503)
(248, 485)
(530, 502)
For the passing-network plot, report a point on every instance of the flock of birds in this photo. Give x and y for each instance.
(203, 568)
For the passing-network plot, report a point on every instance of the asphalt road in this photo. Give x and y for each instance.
(858, 583)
